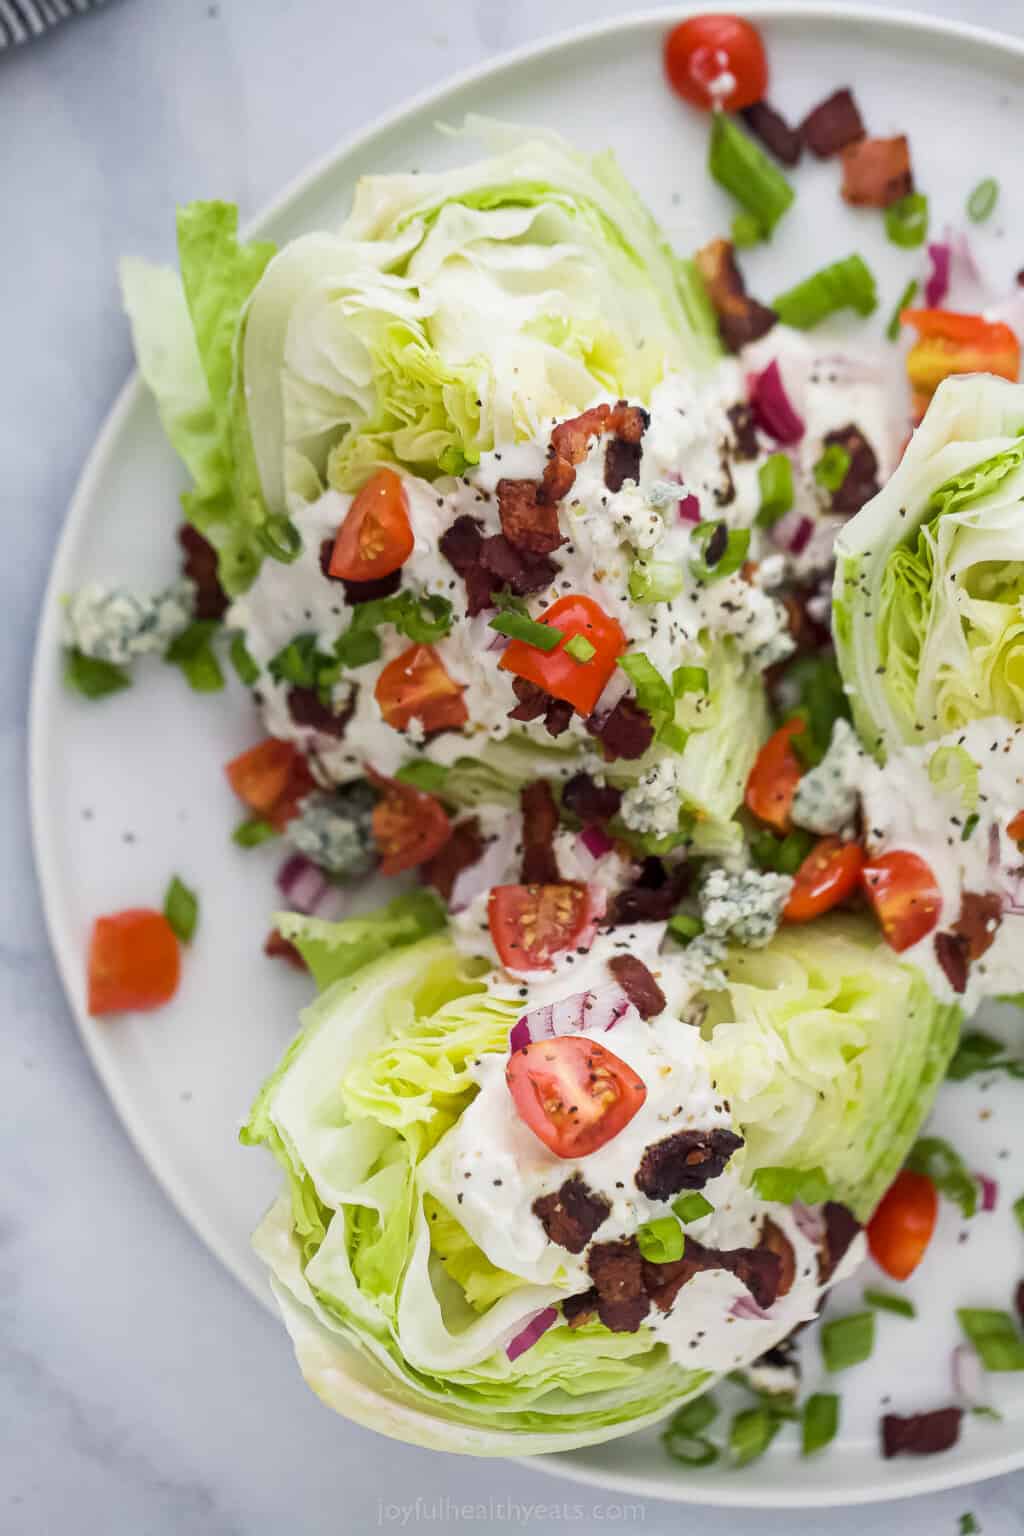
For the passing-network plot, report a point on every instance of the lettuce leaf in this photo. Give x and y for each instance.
(336, 950)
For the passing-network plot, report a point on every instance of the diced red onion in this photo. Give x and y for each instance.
(962, 253)
(810, 1223)
(968, 1376)
(519, 1035)
(689, 509)
(302, 883)
(527, 1337)
(989, 1191)
(773, 410)
(747, 1307)
(582, 1011)
(935, 289)
(604, 1008)
(596, 841)
(793, 531)
(491, 868)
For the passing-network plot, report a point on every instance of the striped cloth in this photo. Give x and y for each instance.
(21, 20)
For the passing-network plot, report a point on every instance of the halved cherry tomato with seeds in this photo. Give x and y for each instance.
(829, 874)
(417, 686)
(771, 785)
(531, 923)
(905, 895)
(717, 61)
(376, 536)
(578, 683)
(134, 961)
(902, 1227)
(573, 1093)
(409, 826)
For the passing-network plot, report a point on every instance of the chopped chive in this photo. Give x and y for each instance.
(847, 1341)
(356, 647)
(751, 1433)
(193, 652)
(775, 482)
(181, 909)
(689, 680)
(543, 637)
(92, 678)
(721, 551)
(784, 1185)
(249, 834)
(994, 1336)
(298, 662)
(906, 298)
(580, 649)
(792, 850)
(906, 220)
(832, 468)
(982, 200)
(692, 1206)
(746, 231)
(684, 927)
(820, 1421)
(421, 774)
(969, 825)
(655, 581)
(846, 284)
(661, 1241)
(742, 168)
(248, 671)
(883, 1301)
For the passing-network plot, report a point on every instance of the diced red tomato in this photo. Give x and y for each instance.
(1016, 827)
(573, 1093)
(532, 923)
(707, 49)
(417, 686)
(902, 1227)
(271, 778)
(905, 895)
(134, 961)
(579, 683)
(953, 343)
(409, 826)
(376, 536)
(771, 785)
(829, 874)
(300, 784)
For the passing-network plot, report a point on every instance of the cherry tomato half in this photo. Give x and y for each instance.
(573, 1093)
(902, 1227)
(717, 61)
(580, 683)
(262, 775)
(409, 826)
(829, 874)
(905, 895)
(774, 777)
(417, 686)
(376, 536)
(134, 961)
(531, 923)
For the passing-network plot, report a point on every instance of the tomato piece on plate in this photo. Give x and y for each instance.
(279, 948)
(902, 1227)
(376, 536)
(409, 826)
(300, 784)
(905, 895)
(952, 343)
(774, 777)
(531, 923)
(579, 683)
(134, 961)
(1016, 828)
(417, 686)
(261, 776)
(717, 61)
(573, 1093)
(829, 874)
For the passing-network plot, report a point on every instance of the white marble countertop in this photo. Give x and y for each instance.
(140, 1389)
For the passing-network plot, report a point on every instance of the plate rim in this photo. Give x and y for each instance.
(917, 1478)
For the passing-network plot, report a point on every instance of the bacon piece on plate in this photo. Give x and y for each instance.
(741, 319)
(832, 125)
(876, 172)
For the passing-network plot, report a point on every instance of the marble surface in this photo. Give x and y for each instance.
(140, 1389)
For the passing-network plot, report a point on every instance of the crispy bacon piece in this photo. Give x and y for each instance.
(653, 896)
(784, 142)
(529, 523)
(757, 1268)
(744, 428)
(621, 463)
(307, 708)
(628, 422)
(978, 923)
(488, 563)
(460, 544)
(860, 482)
(832, 125)
(558, 479)
(741, 319)
(590, 801)
(279, 948)
(540, 823)
(876, 172)
(921, 1434)
(581, 1309)
(775, 1240)
(685, 1160)
(626, 732)
(571, 439)
(533, 701)
(951, 953)
(617, 1270)
(639, 986)
(572, 1215)
(841, 1227)
(199, 564)
(463, 849)
(558, 717)
(509, 567)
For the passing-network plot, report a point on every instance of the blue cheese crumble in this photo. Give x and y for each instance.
(114, 625)
(335, 831)
(745, 906)
(651, 806)
(827, 796)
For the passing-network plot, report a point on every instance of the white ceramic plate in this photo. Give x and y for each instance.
(128, 791)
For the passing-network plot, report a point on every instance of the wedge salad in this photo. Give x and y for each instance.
(610, 610)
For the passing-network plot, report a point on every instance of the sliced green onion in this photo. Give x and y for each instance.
(1018, 1211)
(685, 927)
(906, 220)
(661, 1241)
(820, 1421)
(421, 774)
(847, 1341)
(250, 834)
(721, 551)
(969, 826)
(281, 539)
(247, 669)
(978, 1052)
(694, 1417)
(939, 1161)
(674, 737)
(782, 854)
(983, 199)
(953, 771)
(742, 168)
(181, 909)
(833, 467)
(884, 1301)
(775, 481)
(423, 619)
(297, 662)
(580, 649)
(751, 1433)
(846, 284)
(994, 1336)
(905, 299)
(689, 680)
(655, 581)
(356, 647)
(692, 1206)
(969, 1525)
(784, 1185)
(653, 694)
(543, 637)
(193, 652)
(93, 678)
(746, 231)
